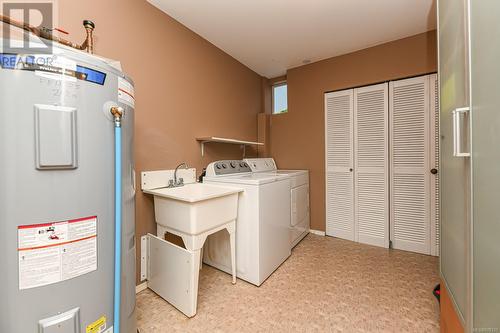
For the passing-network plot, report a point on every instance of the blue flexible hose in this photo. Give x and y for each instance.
(118, 226)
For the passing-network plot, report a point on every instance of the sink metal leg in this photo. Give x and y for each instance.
(232, 240)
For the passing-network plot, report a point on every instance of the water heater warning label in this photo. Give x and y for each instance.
(56, 251)
(126, 92)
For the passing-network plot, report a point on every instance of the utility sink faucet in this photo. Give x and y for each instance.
(178, 182)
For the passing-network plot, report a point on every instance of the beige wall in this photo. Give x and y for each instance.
(297, 137)
(185, 87)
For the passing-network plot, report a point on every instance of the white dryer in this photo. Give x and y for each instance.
(262, 235)
(298, 196)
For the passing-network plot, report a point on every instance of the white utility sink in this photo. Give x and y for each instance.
(194, 208)
(193, 212)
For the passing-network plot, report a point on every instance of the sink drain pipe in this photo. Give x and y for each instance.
(117, 113)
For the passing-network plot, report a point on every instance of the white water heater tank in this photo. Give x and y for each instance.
(57, 193)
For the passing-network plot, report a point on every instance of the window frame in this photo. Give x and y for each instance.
(276, 85)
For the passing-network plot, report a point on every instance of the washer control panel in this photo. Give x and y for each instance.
(261, 164)
(227, 167)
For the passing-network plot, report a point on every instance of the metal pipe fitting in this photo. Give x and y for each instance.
(88, 44)
(117, 113)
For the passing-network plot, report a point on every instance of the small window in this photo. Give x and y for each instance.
(280, 98)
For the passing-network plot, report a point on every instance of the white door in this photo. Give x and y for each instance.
(371, 165)
(339, 164)
(411, 164)
(359, 150)
(434, 162)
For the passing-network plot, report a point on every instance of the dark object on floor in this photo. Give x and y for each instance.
(437, 292)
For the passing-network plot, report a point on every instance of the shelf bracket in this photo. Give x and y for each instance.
(203, 148)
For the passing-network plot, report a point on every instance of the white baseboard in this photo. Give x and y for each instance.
(141, 287)
(317, 232)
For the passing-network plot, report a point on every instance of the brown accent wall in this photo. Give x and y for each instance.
(185, 87)
(297, 137)
(450, 323)
(264, 134)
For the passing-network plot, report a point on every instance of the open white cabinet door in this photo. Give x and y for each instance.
(410, 119)
(172, 272)
(371, 188)
(339, 164)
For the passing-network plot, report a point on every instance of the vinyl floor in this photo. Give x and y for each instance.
(327, 285)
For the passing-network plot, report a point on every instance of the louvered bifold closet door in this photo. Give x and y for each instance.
(339, 164)
(410, 165)
(434, 162)
(371, 165)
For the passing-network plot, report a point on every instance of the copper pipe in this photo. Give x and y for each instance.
(87, 45)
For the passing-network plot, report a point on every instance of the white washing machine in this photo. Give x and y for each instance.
(298, 196)
(262, 227)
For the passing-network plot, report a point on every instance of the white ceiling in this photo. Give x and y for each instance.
(271, 36)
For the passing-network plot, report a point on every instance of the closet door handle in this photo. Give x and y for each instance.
(350, 169)
(434, 171)
(457, 132)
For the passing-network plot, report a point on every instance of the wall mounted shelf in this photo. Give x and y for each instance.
(242, 143)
